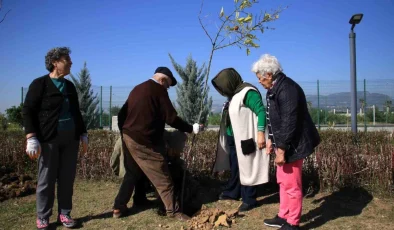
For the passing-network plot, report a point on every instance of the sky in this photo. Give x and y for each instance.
(124, 41)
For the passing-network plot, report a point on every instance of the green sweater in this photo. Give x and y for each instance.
(65, 118)
(253, 101)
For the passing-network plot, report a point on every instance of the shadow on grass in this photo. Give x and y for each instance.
(343, 203)
(108, 214)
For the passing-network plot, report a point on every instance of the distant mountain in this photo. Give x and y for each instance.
(342, 100)
(338, 101)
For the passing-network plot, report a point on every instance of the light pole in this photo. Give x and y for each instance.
(355, 19)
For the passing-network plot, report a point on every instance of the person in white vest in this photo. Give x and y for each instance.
(292, 136)
(241, 146)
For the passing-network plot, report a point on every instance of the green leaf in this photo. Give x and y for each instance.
(248, 41)
(248, 19)
(221, 12)
(237, 14)
(240, 20)
(247, 51)
(254, 45)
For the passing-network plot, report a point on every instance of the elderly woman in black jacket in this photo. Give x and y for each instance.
(54, 127)
(292, 136)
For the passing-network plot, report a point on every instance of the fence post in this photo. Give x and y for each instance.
(101, 107)
(318, 105)
(325, 112)
(373, 107)
(22, 95)
(110, 106)
(365, 105)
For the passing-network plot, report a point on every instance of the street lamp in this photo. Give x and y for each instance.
(355, 19)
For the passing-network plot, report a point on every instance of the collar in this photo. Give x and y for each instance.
(273, 83)
(155, 80)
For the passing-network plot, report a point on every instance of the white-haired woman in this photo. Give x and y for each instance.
(292, 136)
(54, 126)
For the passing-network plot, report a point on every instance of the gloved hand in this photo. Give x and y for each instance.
(197, 128)
(84, 140)
(33, 148)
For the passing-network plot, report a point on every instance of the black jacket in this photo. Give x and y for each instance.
(42, 107)
(291, 126)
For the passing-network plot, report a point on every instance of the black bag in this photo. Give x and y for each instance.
(248, 146)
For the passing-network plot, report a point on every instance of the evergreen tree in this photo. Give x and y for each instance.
(190, 91)
(87, 100)
(14, 114)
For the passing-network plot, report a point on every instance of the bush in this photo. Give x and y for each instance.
(339, 161)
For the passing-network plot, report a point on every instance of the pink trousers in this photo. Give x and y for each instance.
(289, 179)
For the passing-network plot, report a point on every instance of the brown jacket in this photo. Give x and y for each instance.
(148, 110)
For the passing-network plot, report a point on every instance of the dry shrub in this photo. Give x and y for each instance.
(366, 161)
(339, 161)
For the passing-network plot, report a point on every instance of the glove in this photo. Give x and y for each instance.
(33, 148)
(84, 140)
(197, 128)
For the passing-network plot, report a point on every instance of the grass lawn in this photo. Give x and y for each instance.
(346, 209)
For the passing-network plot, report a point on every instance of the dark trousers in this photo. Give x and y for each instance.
(234, 189)
(151, 162)
(131, 182)
(56, 163)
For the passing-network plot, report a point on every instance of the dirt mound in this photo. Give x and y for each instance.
(209, 218)
(13, 185)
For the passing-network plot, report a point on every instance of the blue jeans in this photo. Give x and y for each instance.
(234, 189)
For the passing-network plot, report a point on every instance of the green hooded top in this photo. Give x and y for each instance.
(228, 82)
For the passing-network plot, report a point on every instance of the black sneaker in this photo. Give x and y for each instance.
(275, 222)
(245, 207)
(288, 226)
(224, 197)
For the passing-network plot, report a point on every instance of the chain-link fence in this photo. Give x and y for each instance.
(328, 101)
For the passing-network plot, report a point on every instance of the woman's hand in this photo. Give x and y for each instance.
(260, 140)
(280, 156)
(268, 147)
(33, 147)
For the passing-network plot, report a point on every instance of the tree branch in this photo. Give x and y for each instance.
(203, 27)
(5, 16)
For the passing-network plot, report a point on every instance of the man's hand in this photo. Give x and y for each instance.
(260, 140)
(268, 147)
(197, 128)
(33, 147)
(84, 141)
(280, 156)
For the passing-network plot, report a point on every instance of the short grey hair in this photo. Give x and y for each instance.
(267, 64)
(55, 54)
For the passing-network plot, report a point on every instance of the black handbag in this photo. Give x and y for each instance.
(248, 146)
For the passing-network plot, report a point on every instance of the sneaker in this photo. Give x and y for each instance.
(117, 213)
(275, 222)
(224, 197)
(179, 216)
(288, 226)
(245, 207)
(42, 223)
(66, 220)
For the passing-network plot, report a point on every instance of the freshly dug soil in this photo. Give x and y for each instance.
(210, 218)
(13, 185)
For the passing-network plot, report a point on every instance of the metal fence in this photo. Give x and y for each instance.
(324, 97)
